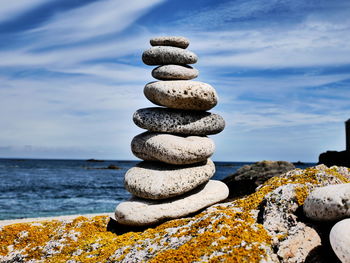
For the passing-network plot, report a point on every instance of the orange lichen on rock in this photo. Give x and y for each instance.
(224, 232)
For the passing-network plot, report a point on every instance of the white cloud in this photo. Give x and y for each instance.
(12, 9)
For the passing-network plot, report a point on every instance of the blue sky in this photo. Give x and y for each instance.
(71, 74)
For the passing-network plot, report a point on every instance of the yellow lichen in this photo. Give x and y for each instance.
(225, 233)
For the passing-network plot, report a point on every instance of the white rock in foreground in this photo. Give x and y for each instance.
(159, 180)
(328, 203)
(340, 240)
(139, 212)
(172, 149)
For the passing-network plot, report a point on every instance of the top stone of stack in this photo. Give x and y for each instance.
(180, 42)
(169, 50)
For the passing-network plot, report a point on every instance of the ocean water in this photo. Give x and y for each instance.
(40, 188)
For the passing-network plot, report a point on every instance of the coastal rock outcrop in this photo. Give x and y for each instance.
(265, 226)
(168, 187)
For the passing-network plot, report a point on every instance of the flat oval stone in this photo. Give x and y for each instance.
(182, 94)
(175, 72)
(328, 203)
(178, 121)
(339, 238)
(141, 212)
(172, 149)
(168, 55)
(152, 180)
(174, 41)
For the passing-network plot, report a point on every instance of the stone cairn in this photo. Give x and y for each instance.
(174, 179)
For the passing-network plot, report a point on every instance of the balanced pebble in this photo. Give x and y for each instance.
(168, 55)
(173, 41)
(178, 121)
(339, 238)
(140, 212)
(175, 72)
(328, 203)
(159, 181)
(182, 94)
(172, 149)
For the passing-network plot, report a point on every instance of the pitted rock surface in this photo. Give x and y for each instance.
(168, 55)
(146, 212)
(172, 149)
(159, 181)
(178, 121)
(174, 41)
(175, 72)
(340, 240)
(182, 94)
(328, 203)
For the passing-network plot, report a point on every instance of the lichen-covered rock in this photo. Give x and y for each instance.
(159, 180)
(242, 230)
(172, 149)
(328, 203)
(247, 178)
(340, 240)
(178, 121)
(182, 94)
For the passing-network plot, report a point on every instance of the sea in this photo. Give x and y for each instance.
(44, 187)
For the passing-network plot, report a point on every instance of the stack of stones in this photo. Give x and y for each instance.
(174, 178)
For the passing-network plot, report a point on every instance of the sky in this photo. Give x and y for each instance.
(71, 74)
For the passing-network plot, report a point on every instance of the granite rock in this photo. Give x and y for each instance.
(146, 212)
(159, 181)
(340, 240)
(172, 149)
(182, 94)
(175, 72)
(168, 55)
(328, 203)
(178, 121)
(174, 41)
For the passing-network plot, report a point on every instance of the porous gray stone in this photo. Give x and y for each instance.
(175, 72)
(140, 212)
(152, 180)
(182, 94)
(328, 203)
(339, 238)
(168, 55)
(172, 149)
(174, 41)
(178, 121)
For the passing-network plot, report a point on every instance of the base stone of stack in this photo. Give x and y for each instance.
(178, 121)
(339, 238)
(182, 94)
(156, 181)
(328, 203)
(172, 149)
(164, 55)
(141, 212)
(174, 41)
(174, 72)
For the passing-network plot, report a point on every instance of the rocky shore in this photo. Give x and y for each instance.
(273, 224)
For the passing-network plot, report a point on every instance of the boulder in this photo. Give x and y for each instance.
(172, 149)
(160, 181)
(340, 240)
(182, 94)
(248, 177)
(160, 55)
(178, 121)
(147, 212)
(173, 41)
(174, 72)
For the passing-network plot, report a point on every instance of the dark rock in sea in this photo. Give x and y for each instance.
(111, 167)
(331, 158)
(298, 163)
(94, 161)
(247, 178)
